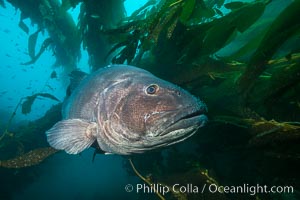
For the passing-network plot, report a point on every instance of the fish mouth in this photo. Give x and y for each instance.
(180, 125)
(192, 115)
(196, 118)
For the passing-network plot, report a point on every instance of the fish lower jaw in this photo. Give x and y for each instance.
(193, 121)
(173, 137)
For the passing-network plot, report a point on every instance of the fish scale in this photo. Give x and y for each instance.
(107, 110)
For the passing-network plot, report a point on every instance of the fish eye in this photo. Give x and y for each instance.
(152, 89)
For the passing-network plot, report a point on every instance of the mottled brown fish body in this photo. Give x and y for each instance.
(126, 110)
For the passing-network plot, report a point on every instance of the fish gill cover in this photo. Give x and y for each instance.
(240, 57)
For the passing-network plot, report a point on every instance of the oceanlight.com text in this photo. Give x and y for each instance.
(250, 189)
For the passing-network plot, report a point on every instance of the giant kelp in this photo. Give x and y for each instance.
(29, 159)
(254, 98)
(15, 141)
(64, 36)
(95, 16)
(177, 43)
(26, 104)
(252, 94)
(22, 149)
(284, 27)
(180, 31)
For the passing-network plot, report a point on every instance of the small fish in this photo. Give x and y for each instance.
(6, 31)
(95, 16)
(126, 110)
(53, 74)
(219, 12)
(51, 88)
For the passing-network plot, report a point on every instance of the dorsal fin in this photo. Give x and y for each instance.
(76, 77)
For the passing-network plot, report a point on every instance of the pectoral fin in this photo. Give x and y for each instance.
(72, 135)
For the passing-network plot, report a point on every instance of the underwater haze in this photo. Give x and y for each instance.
(64, 176)
(242, 58)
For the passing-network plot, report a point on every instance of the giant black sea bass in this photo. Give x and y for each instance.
(126, 110)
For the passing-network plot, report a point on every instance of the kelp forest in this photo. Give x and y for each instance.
(242, 58)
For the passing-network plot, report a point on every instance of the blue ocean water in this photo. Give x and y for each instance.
(19, 80)
(63, 176)
(225, 152)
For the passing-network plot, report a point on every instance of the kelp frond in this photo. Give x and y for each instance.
(29, 100)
